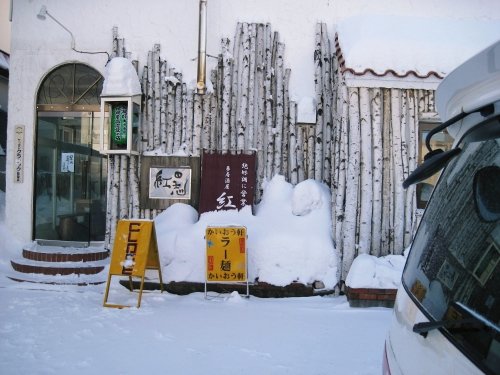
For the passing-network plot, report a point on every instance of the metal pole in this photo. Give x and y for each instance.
(202, 48)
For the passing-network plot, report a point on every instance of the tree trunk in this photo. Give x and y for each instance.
(366, 182)
(150, 103)
(243, 90)
(327, 105)
(197, 124)
(156, 95)
(177, 120)
(227, 62)
(317, 161)
(279, 122)
(352, 184)
(292, 148)
(134, 186)
(234, 89)
(163, 106)
(252, 112)
(341, 175)
(398, 155)
(269, 105)
(286, 124)
(377, 171)
(205, 134)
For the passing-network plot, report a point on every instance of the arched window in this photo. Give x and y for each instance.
(74, 85)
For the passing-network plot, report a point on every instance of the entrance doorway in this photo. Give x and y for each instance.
(70, 173)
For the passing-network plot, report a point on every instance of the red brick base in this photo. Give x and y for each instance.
(369, 297)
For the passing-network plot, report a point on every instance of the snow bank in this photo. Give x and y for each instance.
(9, 247)
(289, 237)
(368, 271)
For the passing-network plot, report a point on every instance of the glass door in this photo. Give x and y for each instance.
(70, 178)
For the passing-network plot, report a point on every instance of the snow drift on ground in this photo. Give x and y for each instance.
(368, 271)
(289, 236)
(9, 247)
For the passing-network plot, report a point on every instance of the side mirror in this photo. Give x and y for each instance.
(434, 161)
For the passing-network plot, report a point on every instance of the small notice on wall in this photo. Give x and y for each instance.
(19, 154)
(67, 162)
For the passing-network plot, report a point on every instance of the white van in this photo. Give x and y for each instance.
(447, 311)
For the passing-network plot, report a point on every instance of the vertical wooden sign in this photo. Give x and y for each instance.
(19, 154)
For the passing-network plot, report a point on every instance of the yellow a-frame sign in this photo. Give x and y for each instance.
(135, 250)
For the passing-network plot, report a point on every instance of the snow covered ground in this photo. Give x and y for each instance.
(48, 329)
(69, 332)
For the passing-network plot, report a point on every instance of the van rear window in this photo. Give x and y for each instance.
(453, 268)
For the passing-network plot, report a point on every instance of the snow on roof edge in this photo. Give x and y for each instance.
(361, 71)
(407, 47)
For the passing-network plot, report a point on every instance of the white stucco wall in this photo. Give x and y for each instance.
(39, 46)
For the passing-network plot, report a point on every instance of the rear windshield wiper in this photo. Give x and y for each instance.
(424, 327)
(475, 320)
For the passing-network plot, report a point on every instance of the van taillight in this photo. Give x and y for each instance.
(385, 364)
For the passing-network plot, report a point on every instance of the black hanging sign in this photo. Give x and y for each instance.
(227, 181)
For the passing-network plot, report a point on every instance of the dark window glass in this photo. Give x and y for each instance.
(453, 268)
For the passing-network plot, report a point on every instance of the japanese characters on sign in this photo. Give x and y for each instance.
(119, 118)
(68, 162)
(135, 250)
(19, 154)
(226, 254)
(227, 181)
(169, 183)
(134, 240)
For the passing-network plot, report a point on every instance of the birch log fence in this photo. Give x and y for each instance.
(363, 145)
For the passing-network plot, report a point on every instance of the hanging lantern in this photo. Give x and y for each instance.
(120, 109)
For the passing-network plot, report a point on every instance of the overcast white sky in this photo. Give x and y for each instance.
(4, 25)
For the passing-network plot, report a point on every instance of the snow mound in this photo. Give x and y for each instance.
(282, 247)
(368, 271)
(307, 196)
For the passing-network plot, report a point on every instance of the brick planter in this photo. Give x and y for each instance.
(368, 297)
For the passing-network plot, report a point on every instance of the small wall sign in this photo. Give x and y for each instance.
(169, 183)
(19, 154)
